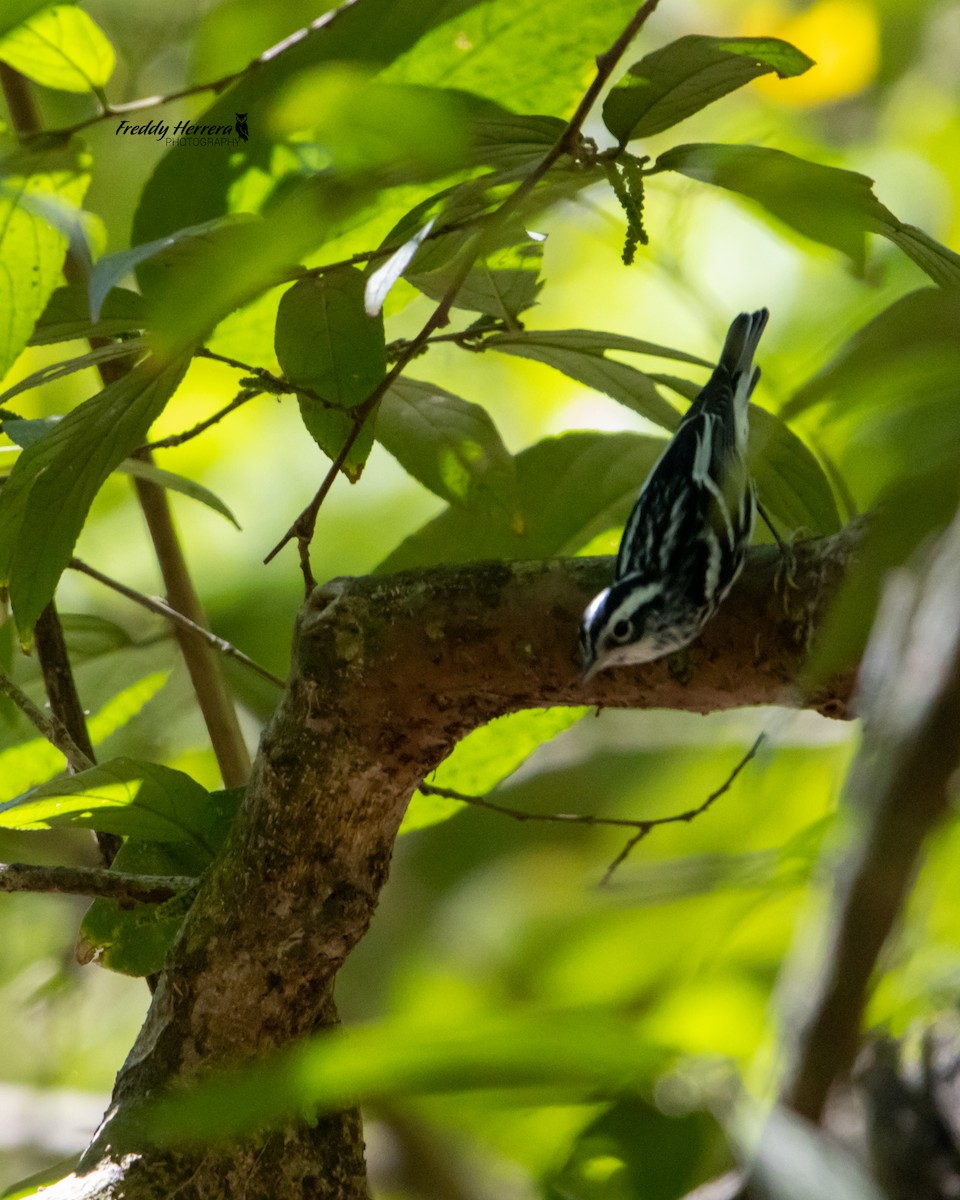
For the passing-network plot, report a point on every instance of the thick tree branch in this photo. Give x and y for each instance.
(389, 674)
(93, 881)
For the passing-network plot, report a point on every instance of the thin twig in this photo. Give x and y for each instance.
(127, 890)
(303, 527)
(642, 827)
(216, 86)
(51, 728)
(271, 383)
(160, 607)
(178, 439)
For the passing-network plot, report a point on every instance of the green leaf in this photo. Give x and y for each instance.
(325, 341)
(939, 262)
(485, 758)
(793, 487)
(502, 284)
(44, 503)
(16, 12)
(112, 268)
(60, 370)
(67, 315)
(176, 483)
(831, 206)
(61, 47)
(90, 636)
(920, 331)
(587, 1051)
(450, 446)
(512, 142)
(36, 761)
(125, 797)
(31, 248)
(569, 490)
(672, 83)
(579, 354)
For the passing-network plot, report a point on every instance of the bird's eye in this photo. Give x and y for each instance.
(621, 631)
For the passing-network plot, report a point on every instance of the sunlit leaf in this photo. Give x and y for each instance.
(60, 47)
(124, 797)
(31, 248)
(326, 341)
(586, 1051)
(670, 84)
(44, 502)
(569, 489)
(485, 758)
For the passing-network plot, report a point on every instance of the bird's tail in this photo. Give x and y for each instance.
(740, 347)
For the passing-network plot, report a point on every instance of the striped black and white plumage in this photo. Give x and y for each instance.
(686, 539)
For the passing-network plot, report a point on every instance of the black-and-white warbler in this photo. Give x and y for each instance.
(687, 536)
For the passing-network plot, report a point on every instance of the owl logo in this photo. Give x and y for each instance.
(241, 126)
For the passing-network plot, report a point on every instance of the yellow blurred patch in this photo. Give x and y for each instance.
(841, 36)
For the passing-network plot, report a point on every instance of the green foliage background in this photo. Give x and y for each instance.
(534, 446)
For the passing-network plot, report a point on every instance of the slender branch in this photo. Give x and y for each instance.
(178, 439)
(216, 86)
(271, 383)
(643, 827)
(303, 527)
(160, 607)
(127, 890)
(51, 728)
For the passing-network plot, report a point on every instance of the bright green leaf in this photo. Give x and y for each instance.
(325, 341)
(16, 12)
(44, 503)
(124, 797)
(60, 370)
(679, 79)
(588, 1051)
(61, 47)
(450, 446)
(36, 761)
(32, 249)
(569, 490)
(485, 758)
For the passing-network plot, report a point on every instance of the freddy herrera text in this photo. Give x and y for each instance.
(161, 130)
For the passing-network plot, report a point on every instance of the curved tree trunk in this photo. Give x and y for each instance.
(389, 674)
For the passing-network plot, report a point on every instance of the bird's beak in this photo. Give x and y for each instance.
(588, 672)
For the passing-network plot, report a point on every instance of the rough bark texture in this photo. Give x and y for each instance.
(389, 674)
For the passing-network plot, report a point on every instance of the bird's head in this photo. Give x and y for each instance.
(623, 625)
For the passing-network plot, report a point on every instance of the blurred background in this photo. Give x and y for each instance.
(483, 911)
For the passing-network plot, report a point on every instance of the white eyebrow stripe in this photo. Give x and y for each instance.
(634, 600)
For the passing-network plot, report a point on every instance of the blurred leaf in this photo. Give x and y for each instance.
(371, 31)
(35, 761)
(325, 341)
(450, 446)
(835, 207)
(935, 259)
(920, 331)
(61, 47)
(403, 133)
(569, 489)
(583, 1052)
(579, 354)
(122, 796)
(31, 248)
(176, 483)
(15, 12)
(674, 82)
(793, 486)
(795, 1160)
(485, 758)
(90, 636)
(906, 513)
(70, 366)
(44, 503)
(135, 941)
(112, 268)
(67, 315)
(631, 1150)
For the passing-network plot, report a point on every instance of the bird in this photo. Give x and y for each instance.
(686, 539)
